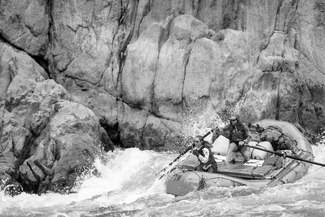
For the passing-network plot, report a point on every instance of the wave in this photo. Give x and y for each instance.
(129, 185)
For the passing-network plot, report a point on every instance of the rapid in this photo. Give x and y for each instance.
(129, 186)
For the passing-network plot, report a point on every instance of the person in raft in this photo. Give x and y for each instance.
(205, 156)
(238, 135)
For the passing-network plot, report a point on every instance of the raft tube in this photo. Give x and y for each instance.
(184, 179)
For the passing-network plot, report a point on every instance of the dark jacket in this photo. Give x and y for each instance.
(236, 133)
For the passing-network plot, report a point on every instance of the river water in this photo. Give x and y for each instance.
(129, 186)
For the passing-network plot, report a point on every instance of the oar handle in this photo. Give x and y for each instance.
(264, 150)
(188, 148)
(288, 156)
(180, 155)
(205, 135)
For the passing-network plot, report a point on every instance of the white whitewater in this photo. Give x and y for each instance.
(128, 186)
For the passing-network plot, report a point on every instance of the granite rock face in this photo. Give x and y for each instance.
(143, 66)
(25, 25)
(45, 137)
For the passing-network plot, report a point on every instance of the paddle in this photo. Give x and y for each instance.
(180, 155)
(288, 156)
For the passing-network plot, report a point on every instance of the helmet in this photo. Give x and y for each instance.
(233, 118)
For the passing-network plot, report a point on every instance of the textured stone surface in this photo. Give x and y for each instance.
(25, 24)
(158, 59)
(40, 123)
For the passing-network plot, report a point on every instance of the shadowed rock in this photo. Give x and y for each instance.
(44, 136)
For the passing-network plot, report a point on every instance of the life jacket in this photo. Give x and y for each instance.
(211, 160)
(236, 133)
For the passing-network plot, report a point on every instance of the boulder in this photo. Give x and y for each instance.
(45, 137)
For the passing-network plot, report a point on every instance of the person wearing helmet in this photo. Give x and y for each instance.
(205, 156)
(238, 136)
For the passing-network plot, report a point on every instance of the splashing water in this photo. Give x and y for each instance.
(198, 121)
(129, 186)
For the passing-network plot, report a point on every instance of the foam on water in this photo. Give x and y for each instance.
(128, 186)
(125, 177)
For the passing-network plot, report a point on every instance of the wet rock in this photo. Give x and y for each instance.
(44, 135)
(12, 188)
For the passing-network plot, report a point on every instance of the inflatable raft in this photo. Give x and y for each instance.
(255, 173)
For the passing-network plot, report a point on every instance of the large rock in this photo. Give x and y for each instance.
(124, 59)
(17, 113)
(46, 140)
(43, 125)
(139, 128)
(141, 62)
(25, 24)
(94, 35)
(13, 62)
(171, 67)
(70, 142)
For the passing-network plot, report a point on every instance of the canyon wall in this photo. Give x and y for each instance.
(146, 67)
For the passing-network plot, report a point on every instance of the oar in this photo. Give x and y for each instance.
(180, 155)
(288, 156)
